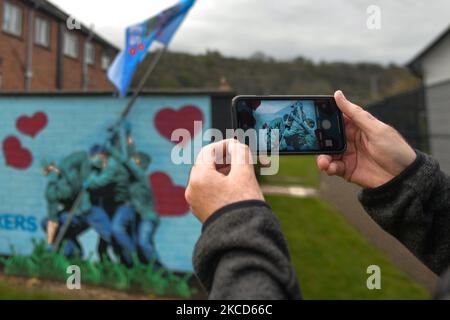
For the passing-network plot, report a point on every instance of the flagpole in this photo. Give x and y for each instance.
(123, 115)
(68, 221)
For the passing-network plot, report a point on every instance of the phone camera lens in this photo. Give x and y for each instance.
(326, 124)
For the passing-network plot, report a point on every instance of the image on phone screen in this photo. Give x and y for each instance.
(302, 125)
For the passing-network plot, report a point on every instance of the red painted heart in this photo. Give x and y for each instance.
(15, 155)
(31, 126)
(169, 198)
(168, 120)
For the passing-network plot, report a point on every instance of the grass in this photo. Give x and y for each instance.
(331, 258)
(294, 170)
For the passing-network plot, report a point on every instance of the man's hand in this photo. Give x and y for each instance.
(376, 152)
(222, 174)
(52, 228)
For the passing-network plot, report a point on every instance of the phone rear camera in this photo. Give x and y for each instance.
(326, 124)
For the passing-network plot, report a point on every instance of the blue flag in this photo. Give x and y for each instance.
(139, 38)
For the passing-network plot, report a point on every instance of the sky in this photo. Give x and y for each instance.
(320, 30)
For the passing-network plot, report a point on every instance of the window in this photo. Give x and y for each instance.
(70, 44)
(90, 53)
(106, 61)
(12, 19)
(42, 32)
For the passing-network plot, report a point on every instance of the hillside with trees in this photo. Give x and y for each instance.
(261, 74)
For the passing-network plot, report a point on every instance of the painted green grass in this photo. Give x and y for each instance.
(294, 170)
(331, 258)
(140, 278)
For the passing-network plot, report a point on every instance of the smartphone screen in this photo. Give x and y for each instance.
(292, 124)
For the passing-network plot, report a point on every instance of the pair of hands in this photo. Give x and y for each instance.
(223, 173)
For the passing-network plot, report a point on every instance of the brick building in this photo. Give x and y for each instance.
(50, 55)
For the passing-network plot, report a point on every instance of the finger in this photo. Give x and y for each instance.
(206, 157)
(265, 161)
(361, 118)
(241, 158)
(211, 155)
(323, 162)
(336, 168)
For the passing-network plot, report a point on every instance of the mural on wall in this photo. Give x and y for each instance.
(68, 157)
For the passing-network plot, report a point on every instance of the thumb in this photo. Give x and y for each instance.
(361, 118)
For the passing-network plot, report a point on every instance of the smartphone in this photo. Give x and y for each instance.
(291, 124)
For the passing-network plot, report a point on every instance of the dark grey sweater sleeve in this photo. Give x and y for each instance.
(414, 207)
(242, 254)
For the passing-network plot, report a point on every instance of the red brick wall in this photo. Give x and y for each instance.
(97, 76)
(13, 60)
(12, 53)
(73, 68)
(44, 60)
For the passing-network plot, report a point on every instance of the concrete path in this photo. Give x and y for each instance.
(291, 191)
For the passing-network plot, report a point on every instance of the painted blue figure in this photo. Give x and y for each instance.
(141, 199)
(96, 218)
(124, 227)
(64, 185)
(108, 184)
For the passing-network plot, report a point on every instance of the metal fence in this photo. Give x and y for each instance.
(407, 113)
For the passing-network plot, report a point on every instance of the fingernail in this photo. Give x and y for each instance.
(343, 95)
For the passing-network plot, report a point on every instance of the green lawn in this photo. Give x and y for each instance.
(331, 258)
(294, 170)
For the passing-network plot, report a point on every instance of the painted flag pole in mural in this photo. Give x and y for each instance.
(139, 38)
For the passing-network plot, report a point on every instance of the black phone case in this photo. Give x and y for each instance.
(290, 97)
